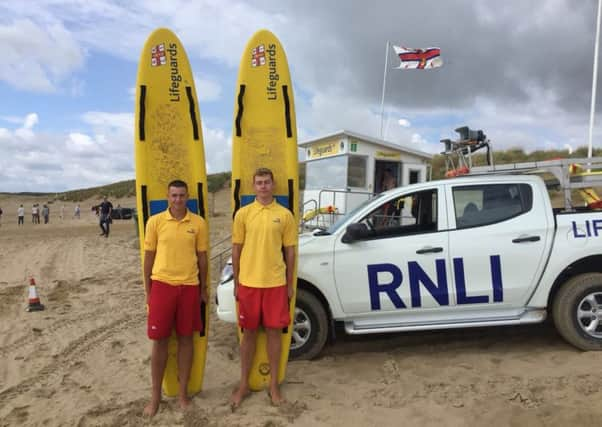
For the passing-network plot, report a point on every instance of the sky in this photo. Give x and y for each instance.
(521, 70)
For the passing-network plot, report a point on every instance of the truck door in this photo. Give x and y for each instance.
(399, 260)
(497, 243)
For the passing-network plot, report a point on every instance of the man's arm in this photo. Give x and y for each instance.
(289, 260)
(236, 250)
(149, 260)
(202, 263)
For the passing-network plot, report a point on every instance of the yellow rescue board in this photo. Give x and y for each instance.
(264, 134)
(168, 146)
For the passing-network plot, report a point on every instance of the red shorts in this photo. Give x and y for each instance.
(263, 306)
(173, 305)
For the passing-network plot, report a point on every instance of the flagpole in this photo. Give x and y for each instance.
(594, 83)
(382, 99)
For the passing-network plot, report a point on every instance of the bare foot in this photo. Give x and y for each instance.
(184, 402)
(151, 409)
(275, 396)
(237, 397)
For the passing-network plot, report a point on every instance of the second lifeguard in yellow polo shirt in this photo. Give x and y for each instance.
(175, 270)
(263, 279)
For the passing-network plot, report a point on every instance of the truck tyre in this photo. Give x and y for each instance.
(577, 311)
(310, 327)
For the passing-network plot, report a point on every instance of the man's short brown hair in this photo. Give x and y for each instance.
(178, 183)
(263, 172)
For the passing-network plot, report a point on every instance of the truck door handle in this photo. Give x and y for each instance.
(429, 250)
(526, 239)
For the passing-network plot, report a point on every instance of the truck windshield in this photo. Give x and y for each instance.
(343, 219)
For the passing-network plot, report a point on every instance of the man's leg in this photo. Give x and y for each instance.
(107, 224)
(188, 322)
(247, 351)
(184, 367)
(274, 344)
(102, 227)
(275, 312)
(161, 311)
(158, 362)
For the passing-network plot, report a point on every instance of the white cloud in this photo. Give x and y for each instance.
(105, 120)
(24, 132)
(323, 114)
(207, 90)
(404, 123)
(37, 57)
(83, 145)
(4, 133)
(200, 24)
(218, 150)
(61, 161)
(30, 121)
(12, 119)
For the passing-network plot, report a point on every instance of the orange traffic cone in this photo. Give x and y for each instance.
(34, 301)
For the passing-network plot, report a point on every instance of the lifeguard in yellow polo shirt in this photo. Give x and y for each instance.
(175, 271)
(263, 279)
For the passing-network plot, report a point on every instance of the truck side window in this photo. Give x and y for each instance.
(477, 205)
(407, 214)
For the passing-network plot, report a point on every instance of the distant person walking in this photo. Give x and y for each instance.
(62, 212)
(21, 215)
(77, 212)
(35, 214)
(0, 216)
(104, 210)
(46, 213)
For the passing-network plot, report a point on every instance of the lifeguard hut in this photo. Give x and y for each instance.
(343, 169)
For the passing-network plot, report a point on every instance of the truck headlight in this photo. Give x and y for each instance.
(227, 274)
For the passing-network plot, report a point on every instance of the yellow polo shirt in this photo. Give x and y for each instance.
(176, 244)
(263, 231)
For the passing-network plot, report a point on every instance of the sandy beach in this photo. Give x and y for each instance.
(85, 360)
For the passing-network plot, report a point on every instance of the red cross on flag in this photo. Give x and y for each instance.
(420, 59)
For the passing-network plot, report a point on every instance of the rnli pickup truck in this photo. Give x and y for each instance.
(466, 252)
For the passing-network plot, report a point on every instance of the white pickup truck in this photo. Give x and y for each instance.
(466, 252)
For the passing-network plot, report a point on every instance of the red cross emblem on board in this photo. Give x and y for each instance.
(258, 56)
(158, 55)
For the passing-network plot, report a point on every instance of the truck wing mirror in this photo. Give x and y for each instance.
(356, 231)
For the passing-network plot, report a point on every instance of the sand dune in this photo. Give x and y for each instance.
(85, 359)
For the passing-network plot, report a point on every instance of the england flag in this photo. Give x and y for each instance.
(418, 59)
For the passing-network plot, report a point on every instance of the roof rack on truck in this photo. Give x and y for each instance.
(568, 174)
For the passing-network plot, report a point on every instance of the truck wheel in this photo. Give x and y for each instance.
(310, 327)
(577, 311)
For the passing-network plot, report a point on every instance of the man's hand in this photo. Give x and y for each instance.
(235, 290)
(147, 288)
(204, 294)
(291, 292)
